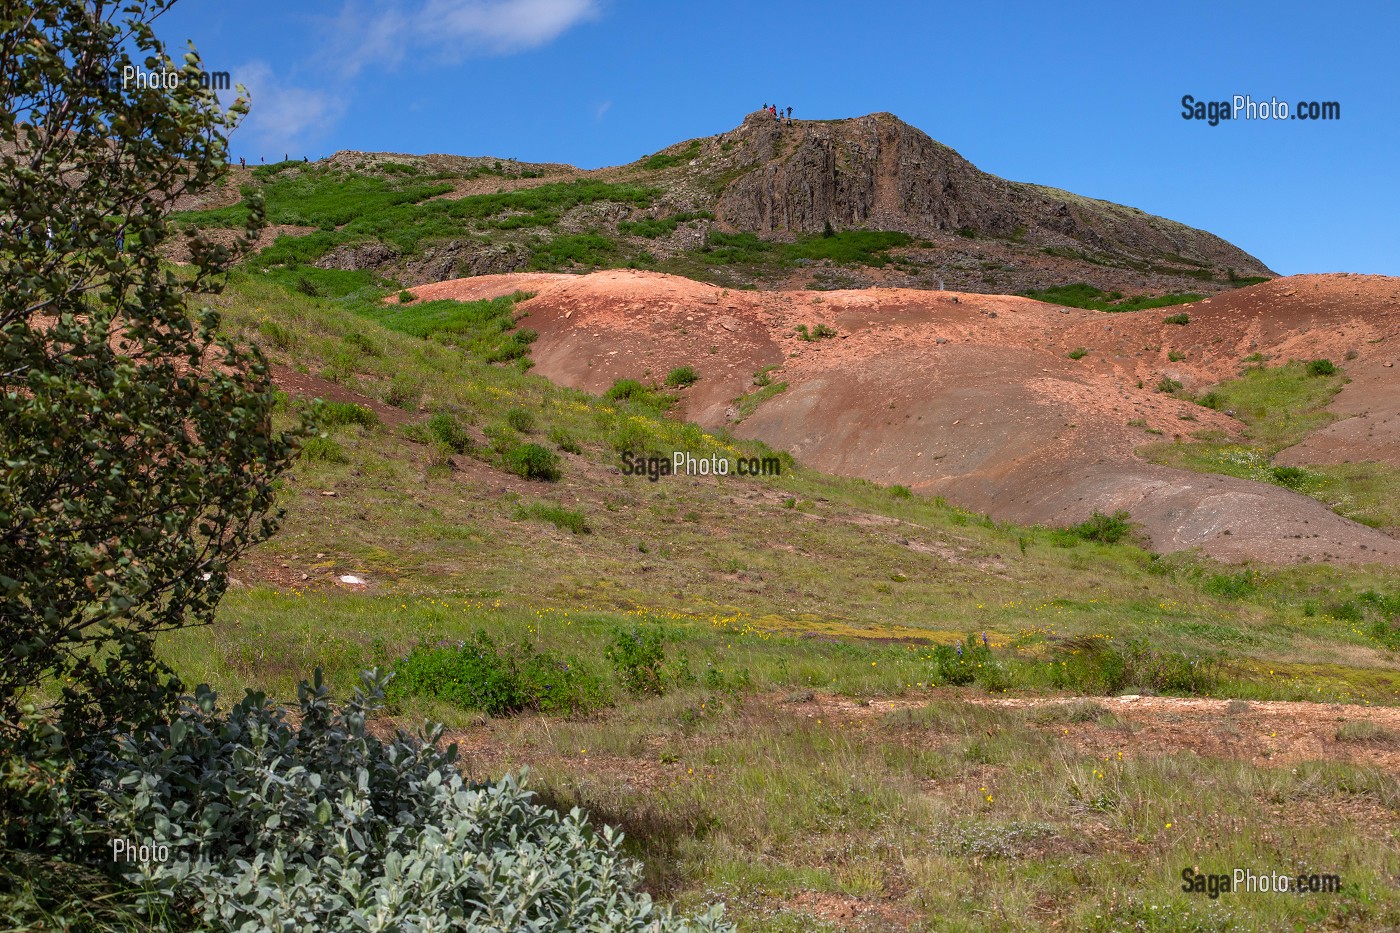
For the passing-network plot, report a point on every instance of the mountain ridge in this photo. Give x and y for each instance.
(741, 209)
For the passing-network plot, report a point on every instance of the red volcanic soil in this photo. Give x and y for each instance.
(973, 397)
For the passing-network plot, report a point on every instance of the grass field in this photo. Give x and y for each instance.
(813, 750)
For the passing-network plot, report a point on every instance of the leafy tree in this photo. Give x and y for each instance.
(137, 453)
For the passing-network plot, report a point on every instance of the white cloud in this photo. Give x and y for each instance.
(602, 109)
(448, 30)
(501, 26)
(375, 36)
(284, 118)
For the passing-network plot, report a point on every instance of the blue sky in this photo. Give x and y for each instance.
(1081, 96)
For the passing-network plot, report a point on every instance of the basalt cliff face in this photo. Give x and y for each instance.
(878, 172)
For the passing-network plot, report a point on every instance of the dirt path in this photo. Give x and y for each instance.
(1271, 732)
(1264, 733)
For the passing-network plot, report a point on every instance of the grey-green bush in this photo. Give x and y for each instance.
(320, 825)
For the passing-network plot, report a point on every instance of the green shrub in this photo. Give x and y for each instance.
(900, 492)
(1321, 368)
(520, 419)
(1290, 476)
(651, 228)
(626, 390)
(1094, 665)
(1380, 613)
(1175, 356)
(565, 519)
(405, 297)
(1078, 353)
(631, 437)
(483, 328)
(862, 247)
(1233, 585)
(322, 449)
(638, 659)
(1084, 295)
(578, 249)
(282, 822)
(959, 665)
(336, 414)
(512, 346)
(498, 679)
(564, 441)
(636, 393)
(283, 338)
(681, 377)
(819, 332)
(668, 160)
(361, 344)
(532, 462)
(1168, 385)
(403, 392)
(1182, 318)
(448, 431)
(1105, 529)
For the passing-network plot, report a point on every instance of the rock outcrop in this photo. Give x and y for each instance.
(879, 172)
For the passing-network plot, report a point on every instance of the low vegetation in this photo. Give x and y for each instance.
(785, 689)
(682, 377)
(663, 160)
(848, 247)
(1084, 295)
(1105, 529)
(1368, 733)
(877, 622)
(1279, 406)
(817, 332)
(652, 228)
(563, 518)
(497, 678)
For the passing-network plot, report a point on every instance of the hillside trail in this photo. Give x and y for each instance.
(1263, 732)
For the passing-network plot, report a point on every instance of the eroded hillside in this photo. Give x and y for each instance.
(1031, 412)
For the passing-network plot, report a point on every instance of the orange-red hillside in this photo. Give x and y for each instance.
(973, 396)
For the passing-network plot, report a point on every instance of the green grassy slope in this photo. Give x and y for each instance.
(795, 555)
(737, 779)
(1280, 405)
